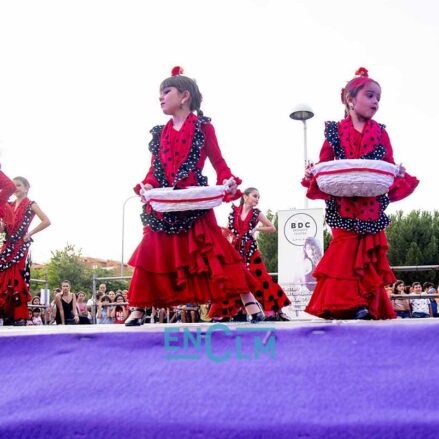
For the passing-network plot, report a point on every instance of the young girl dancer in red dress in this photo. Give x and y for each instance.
(354, 270)
(244, 221)
(14, 261)
(183, 256)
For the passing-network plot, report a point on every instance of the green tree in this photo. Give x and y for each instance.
(413, 240)
(66, 264)
(327, 237)
(39, 274)
(112, 284)
(267, 244)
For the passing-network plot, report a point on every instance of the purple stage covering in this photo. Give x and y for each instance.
(326, 381)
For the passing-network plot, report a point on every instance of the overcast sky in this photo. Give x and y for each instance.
(79, 93)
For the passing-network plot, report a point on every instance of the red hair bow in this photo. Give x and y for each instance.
(177, 70)
(362, 71)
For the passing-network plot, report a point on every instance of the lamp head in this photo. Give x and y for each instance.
(302, 112)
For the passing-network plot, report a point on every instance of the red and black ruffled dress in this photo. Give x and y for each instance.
(355, 268)
(268, 293)
(183, 256)
(15, 264)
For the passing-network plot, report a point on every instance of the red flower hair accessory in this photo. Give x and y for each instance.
(362, 71)
(177, 70)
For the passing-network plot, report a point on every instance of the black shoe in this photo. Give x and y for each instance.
(280, 316)
(136, 321)
(256, 317)
(19, 322)
(362, 314)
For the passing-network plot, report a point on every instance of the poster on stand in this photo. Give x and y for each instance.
(300, 248)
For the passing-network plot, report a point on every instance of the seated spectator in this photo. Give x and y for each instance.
(91, 306)
(103, 311)
(429, 288)
(52, 310)
(421, 308)
(159, 315)
(174, 314)
(112, 296)
(189, 313)
(204, 313)
(401, 306)
(119, 313)
(389, 290)
(125, 295)
(82, 309)
(36, 318)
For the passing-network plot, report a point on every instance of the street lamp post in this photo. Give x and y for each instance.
(123, 232)
(303, 112)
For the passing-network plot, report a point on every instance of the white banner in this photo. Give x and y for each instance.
(300, 248)
(44, 296)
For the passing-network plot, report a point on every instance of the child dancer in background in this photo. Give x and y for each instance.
(183, 256)
(14, 261)
(354, 270)
(244, 221)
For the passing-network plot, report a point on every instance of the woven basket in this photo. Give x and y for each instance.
(355, 177)
(190, 198)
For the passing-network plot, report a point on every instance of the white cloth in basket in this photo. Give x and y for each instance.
(355, 177)
(191, 198)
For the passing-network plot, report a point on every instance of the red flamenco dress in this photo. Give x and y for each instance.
(354, 270)
(268, 293)
(15, 264)
(183, 256)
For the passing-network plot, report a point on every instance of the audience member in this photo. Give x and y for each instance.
(421, 308)
(67, 312)
(401, 306)
(35, 319)
(102, 313)
(119, 313)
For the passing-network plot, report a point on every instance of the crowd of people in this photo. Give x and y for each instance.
(111, 307)
(411, 307)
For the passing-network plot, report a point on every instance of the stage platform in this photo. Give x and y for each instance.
(300, 379)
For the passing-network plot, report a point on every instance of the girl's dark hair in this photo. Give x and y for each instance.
(183, 83)
(427, 285)
(247, 192)
(354, 86)
(117, 296)
(23, 181)
(396, 285)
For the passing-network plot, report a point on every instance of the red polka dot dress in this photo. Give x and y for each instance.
(183, 256)
(15, 264)
(355, 268)
(268, 293)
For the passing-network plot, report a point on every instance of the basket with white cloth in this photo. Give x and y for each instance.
(355, 177)
(169, 199)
